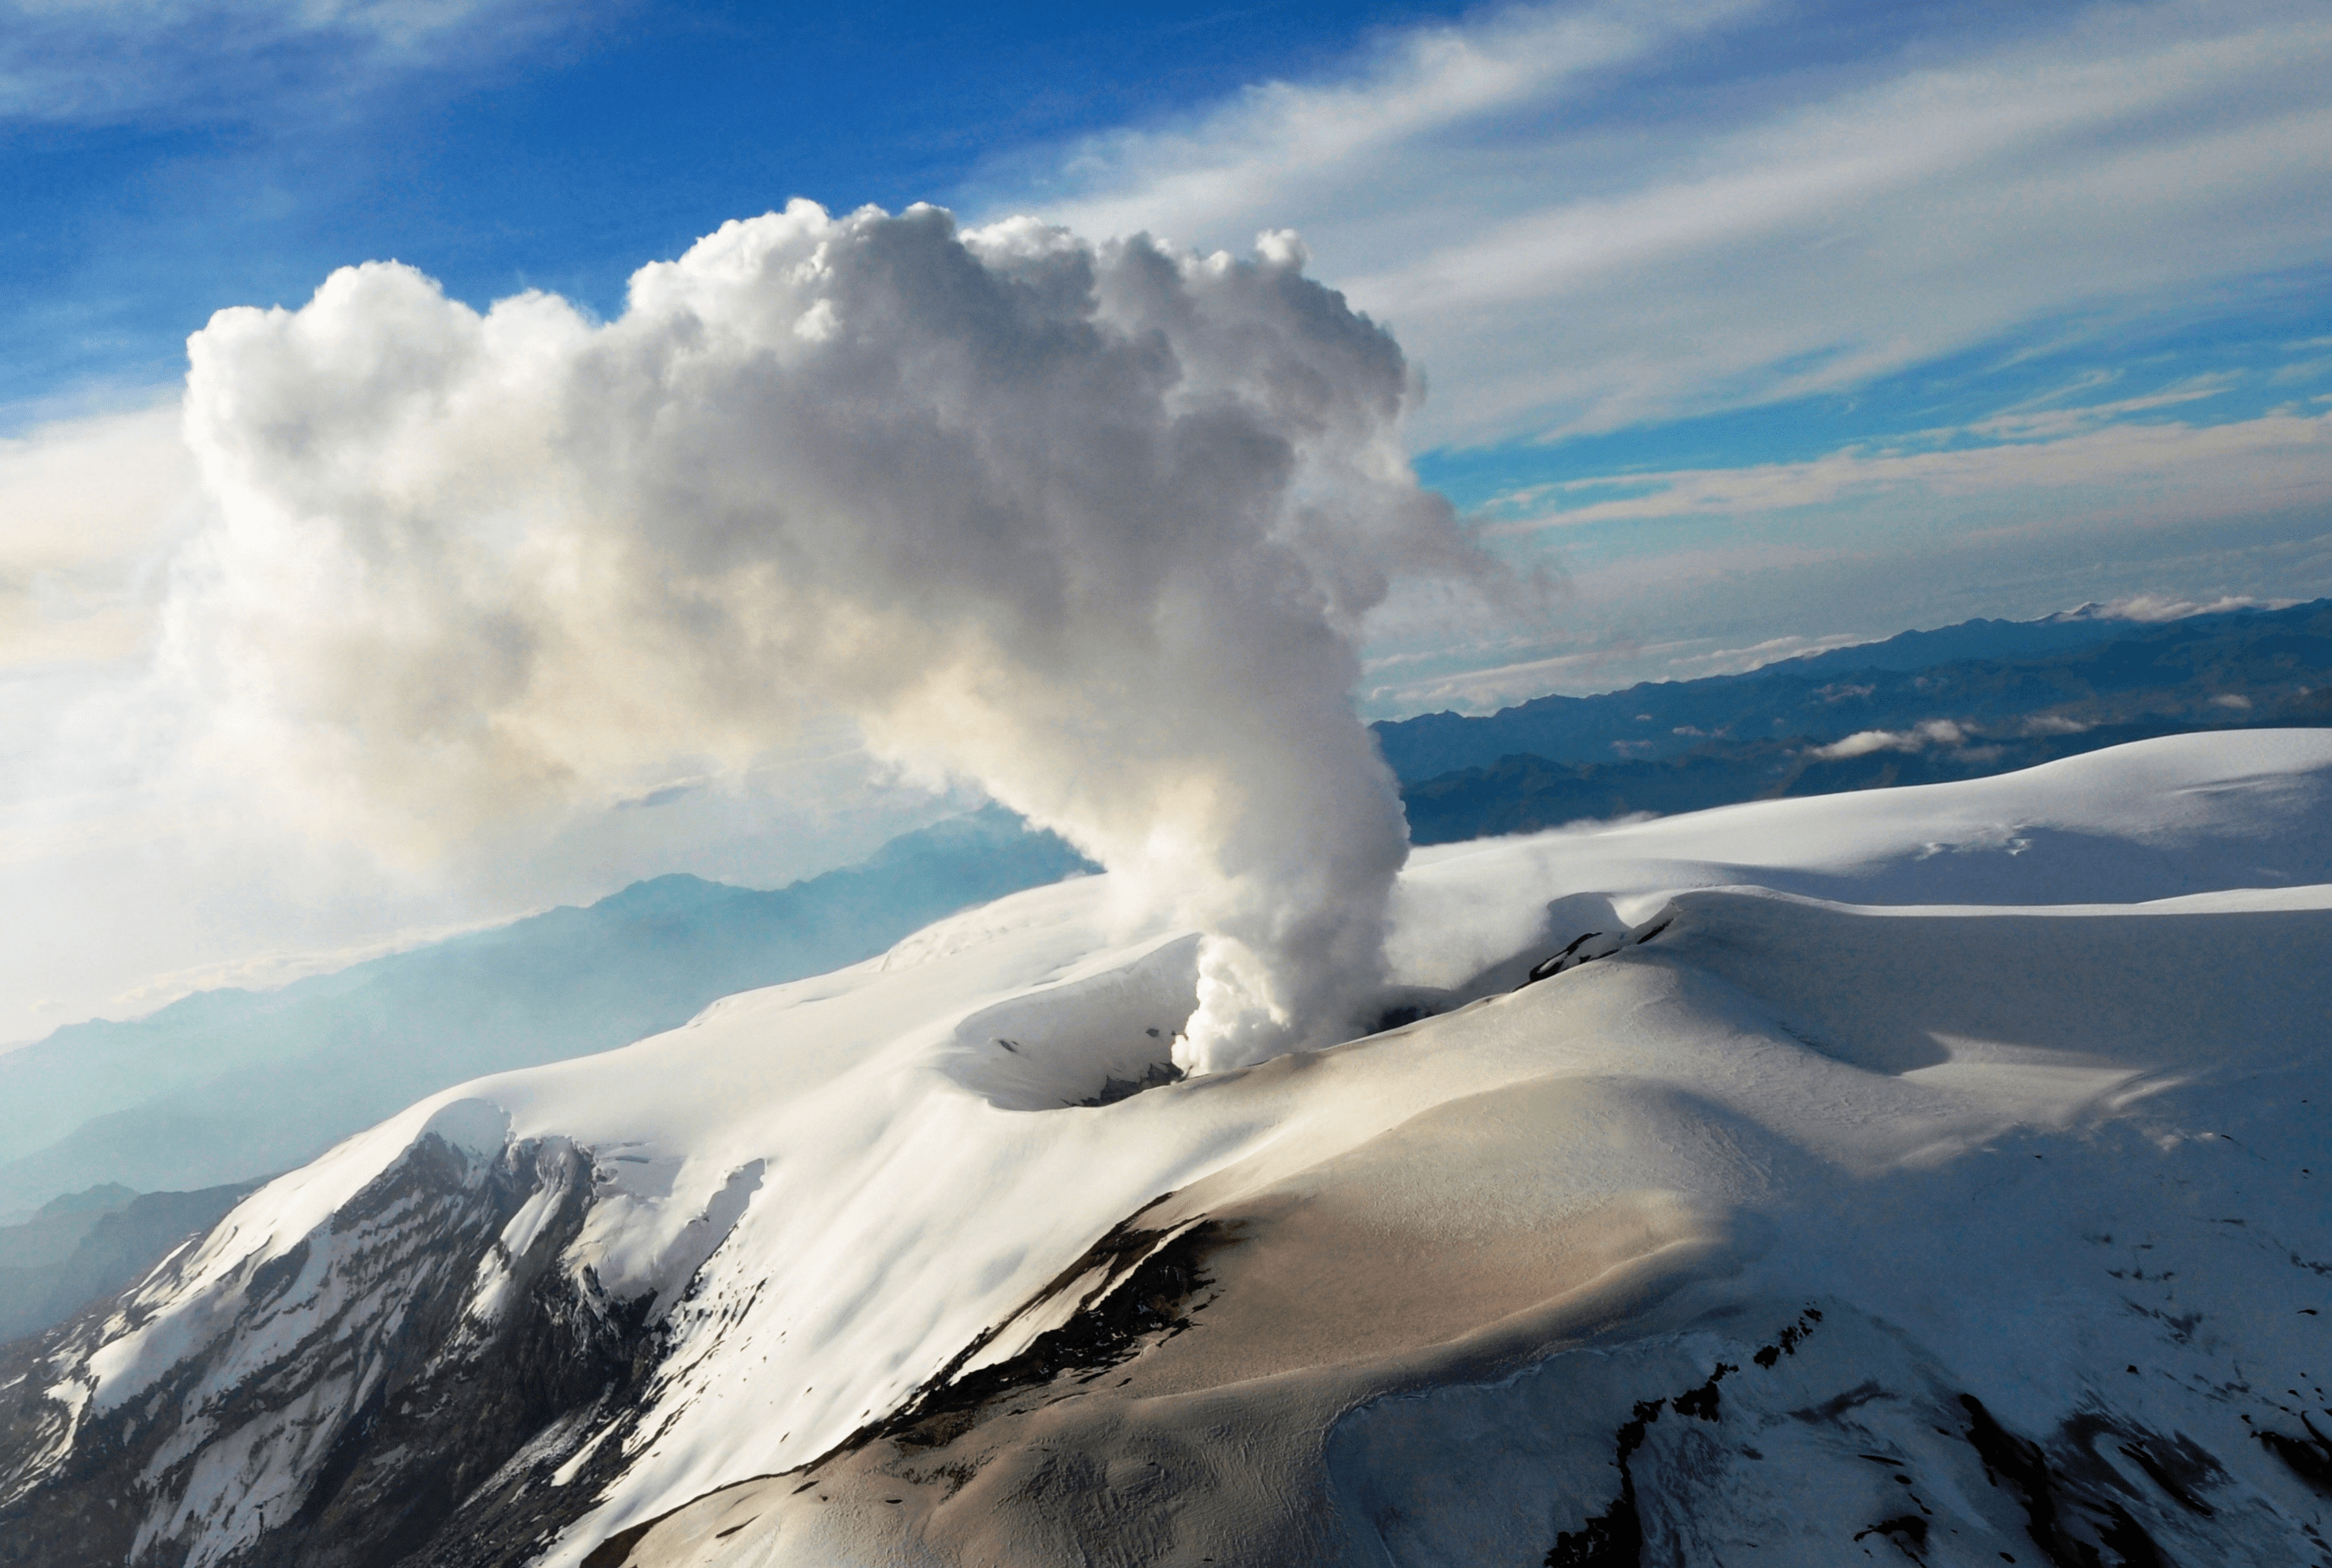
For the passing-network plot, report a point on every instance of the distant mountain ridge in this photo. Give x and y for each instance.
(1862, 718)
(92, 1245)
(1523, 794)
(2228, 666)
(225, 1085)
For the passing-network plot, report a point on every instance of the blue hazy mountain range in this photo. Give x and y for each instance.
(94, 1244)
(226, 1086)
(105, 1127)
(2070, 676)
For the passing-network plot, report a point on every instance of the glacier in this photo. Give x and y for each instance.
(1928, 1175)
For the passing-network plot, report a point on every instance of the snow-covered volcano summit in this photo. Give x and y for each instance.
(1929, 1174)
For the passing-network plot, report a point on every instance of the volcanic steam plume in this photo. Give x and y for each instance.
(1095, 525)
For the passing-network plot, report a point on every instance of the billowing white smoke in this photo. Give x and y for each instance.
(1093, 525)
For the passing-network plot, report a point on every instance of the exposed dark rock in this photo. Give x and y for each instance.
(1615, 1537)
(2070, 1517)
(1156, 1076)
(1138, 1285)
(441, 1457)
(1909, 1531)
(1786, 1342)
(1568, 958)
(1702, 1401)
(2309, 1458)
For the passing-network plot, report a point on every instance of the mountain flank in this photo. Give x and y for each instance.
(226, 1086)
(1966, 702)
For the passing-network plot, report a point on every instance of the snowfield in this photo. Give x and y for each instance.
(1929, 1175)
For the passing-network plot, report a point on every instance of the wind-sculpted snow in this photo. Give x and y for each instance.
(1820, 1203)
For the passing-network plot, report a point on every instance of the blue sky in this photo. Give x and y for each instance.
(1761, 326)
(505, 149)
(1622, 240)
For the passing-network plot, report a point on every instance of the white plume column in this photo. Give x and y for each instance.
(1095, 525)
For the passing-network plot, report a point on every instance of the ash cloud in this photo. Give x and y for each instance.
(1095, 525)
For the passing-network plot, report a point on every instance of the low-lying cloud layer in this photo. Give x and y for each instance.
(1094, 526)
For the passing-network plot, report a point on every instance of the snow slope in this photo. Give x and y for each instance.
(1955, 1103)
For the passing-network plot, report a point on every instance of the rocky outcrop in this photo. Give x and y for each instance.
(401, 1385)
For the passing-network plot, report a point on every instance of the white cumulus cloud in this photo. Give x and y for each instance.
(1863, 742)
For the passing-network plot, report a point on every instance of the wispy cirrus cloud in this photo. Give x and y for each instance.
(1583, 216)
(98, 62)
(1483, 690)
(1686, 572)
(2153, 470)
(2048, 417)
